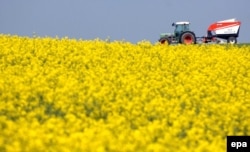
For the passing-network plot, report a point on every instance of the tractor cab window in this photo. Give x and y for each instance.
(186, 27)
(179, 28)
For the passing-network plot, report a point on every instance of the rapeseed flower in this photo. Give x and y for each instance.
(93, 95)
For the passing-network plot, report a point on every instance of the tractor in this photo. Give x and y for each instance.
(182, 34)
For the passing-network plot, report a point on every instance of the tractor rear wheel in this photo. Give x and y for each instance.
(165, 41)
(188, 38)
(232, 40)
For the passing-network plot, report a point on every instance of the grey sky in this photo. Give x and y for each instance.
(130, 20)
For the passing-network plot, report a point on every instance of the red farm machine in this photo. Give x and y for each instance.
(222, 30)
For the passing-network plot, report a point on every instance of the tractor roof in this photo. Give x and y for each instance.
(181, 23)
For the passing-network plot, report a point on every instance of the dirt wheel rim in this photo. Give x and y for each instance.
(164, 42)
(188, 39)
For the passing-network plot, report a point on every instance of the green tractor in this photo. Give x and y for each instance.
(182, 34)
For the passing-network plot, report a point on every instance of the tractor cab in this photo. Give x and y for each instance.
(180, 27)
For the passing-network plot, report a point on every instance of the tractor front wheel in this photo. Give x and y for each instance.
(164, 41)
(188, 38)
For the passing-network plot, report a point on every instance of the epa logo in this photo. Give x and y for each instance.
(238, 143)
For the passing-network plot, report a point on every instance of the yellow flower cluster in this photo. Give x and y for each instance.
(97, 96)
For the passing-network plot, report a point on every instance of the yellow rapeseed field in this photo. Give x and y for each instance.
(67, 95)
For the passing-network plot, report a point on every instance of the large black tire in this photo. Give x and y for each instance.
(232, 40)
(188, 38)
(165, 41)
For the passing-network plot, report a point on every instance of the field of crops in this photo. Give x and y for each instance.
(98, 96)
